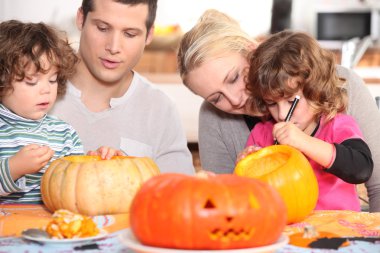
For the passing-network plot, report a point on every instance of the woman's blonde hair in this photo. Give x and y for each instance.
(214, 34)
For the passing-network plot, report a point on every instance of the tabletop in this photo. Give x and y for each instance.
(361, 228)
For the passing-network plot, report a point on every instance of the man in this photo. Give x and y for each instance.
(110, 104)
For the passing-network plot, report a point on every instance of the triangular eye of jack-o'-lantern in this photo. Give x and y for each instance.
(288, 170)
(217, 212)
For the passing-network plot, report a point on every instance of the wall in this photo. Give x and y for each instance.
(254, 15)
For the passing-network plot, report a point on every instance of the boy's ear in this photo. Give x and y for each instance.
(80, 19)
(149, 36)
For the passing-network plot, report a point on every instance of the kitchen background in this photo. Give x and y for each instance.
(333, 22)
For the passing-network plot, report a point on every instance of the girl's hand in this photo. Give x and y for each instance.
(106, 153)
(289, 134)
(248, 150)
(29, 160)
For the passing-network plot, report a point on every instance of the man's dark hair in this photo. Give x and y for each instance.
(88, 5)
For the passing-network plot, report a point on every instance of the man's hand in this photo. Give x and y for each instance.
(106, 153)
(29, 160)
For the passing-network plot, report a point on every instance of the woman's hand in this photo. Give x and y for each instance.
(29, 160)
(106, 153)
(248, 150)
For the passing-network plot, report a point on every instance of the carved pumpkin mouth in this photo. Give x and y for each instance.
(231, 234)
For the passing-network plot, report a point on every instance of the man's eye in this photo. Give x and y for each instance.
(129, 35)
(102, 29)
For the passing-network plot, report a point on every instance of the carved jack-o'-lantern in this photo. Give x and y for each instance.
(218, 212)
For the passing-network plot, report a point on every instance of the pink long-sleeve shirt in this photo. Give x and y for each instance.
(334, 193)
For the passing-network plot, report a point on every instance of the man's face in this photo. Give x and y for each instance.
(113, 38)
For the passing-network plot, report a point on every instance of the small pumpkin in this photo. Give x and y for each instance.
(288, 170)
(217, 212)
(91, 186)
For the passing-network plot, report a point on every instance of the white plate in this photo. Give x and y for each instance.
(130, 241)
(101, 234)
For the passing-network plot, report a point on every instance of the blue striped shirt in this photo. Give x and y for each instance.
(17, 132)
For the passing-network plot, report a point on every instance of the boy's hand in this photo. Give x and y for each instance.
(29, 160)
(106, 153)
(248, 150)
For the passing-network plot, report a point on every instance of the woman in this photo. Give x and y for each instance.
(213, 63)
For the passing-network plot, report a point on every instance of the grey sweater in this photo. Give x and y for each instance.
(222, 136)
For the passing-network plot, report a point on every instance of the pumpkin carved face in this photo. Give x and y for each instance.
(286, 169)
(91, 186)
(219, 212)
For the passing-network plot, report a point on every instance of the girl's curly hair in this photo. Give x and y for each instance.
(288, 61)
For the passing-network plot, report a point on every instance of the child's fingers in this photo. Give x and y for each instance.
(91, 152)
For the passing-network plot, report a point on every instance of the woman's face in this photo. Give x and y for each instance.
(221, 82)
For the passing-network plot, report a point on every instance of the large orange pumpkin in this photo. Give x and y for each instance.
(91, 186)
(289, 171)
(218, 212)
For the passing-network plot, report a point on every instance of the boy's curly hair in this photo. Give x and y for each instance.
(25, 43)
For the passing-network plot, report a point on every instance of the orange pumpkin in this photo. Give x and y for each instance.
(288, 170)
(218, 212)
(91, 186)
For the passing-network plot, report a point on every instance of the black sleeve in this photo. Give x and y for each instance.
(251, 121)
(353, 161)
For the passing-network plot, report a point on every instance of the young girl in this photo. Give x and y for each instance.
(34, 66)
(290, 64)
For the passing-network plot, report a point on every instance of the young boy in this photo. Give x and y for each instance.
(35, 63)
